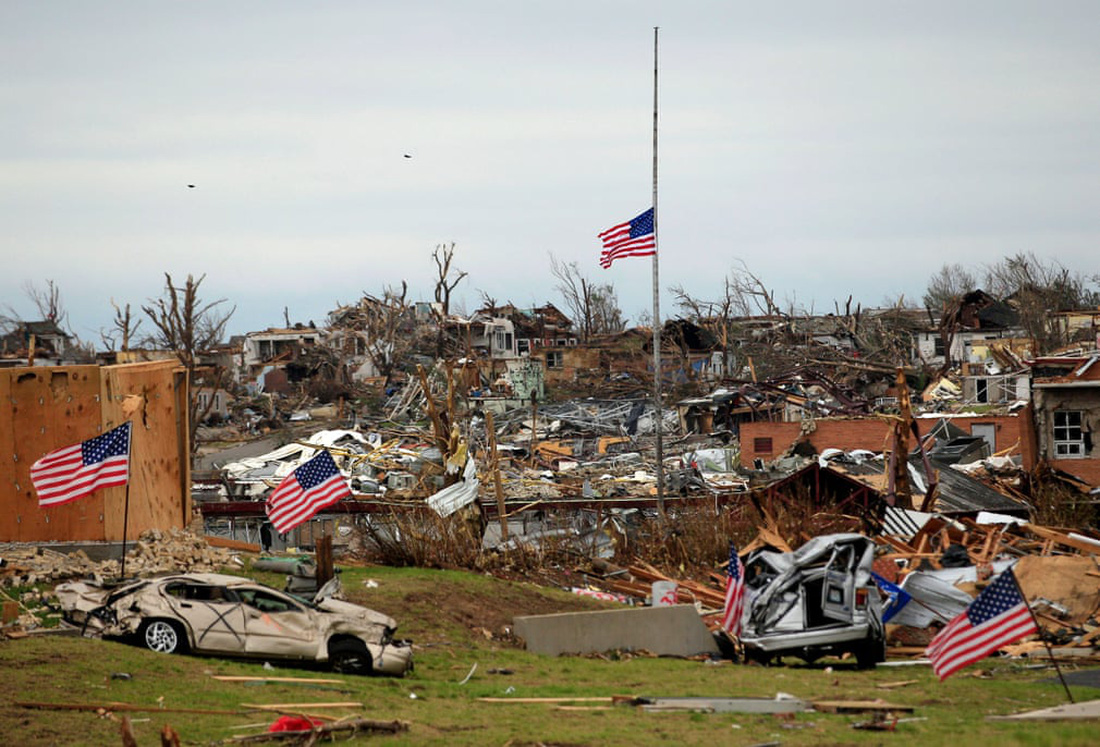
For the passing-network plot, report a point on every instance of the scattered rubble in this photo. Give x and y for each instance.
(155, 552)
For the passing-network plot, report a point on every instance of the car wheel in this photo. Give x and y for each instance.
(763, 658)
(870, 652)
(163, 636)
(349, 657)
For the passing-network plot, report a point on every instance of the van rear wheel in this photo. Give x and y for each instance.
(870, 652)
(763, 658)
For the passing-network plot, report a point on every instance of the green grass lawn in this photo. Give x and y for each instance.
(452, 636)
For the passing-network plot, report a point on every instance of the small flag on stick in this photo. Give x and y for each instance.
(735, 594)
(75, 471)
(997, 617)
(305, 491)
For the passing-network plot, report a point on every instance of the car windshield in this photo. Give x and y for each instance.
(197, 592)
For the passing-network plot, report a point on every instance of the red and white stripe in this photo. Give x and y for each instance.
(61, 476)
(617, 244)
(734, 605)
(961, 644)
(290, 505)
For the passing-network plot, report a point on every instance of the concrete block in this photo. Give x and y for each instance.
(667, 631)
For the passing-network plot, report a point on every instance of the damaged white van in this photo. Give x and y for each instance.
(817, 601)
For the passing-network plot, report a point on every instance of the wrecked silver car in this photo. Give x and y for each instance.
(817, 601)
(215, 614)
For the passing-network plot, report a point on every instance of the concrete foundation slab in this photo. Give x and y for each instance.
(1087, 711)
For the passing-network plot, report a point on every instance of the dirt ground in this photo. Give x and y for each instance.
(433, 606)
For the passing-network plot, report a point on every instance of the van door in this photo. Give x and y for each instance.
(838, 590)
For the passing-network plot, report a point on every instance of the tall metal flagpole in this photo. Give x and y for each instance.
(657, 310)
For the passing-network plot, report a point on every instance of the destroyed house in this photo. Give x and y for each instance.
(44, 342)
(1000, 372)
(1077, 326)
(541, 326)
(492, 337)
(978, 319)
(265, 356)
(1066, 399)
(694, 349)
(723, 412)
(625, 357)
(955, 493)
(278, 345)
(993, 387)
(225, 359)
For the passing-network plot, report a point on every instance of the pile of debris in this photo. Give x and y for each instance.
(948, 561)
(940, 568)
(155, 552)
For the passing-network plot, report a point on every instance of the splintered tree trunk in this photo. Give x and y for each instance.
(899, 459)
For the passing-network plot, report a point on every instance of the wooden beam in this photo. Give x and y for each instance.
(246, 678)
(121, 707)
(299, 706)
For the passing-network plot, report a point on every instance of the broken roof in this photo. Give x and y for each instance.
(956, 492)
(1068, 371)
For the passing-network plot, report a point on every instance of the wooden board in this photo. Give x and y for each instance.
(48, 408)
(160, 496)
(858, 706)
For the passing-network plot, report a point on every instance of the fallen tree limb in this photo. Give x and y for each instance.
(121, 707)
(246, 678)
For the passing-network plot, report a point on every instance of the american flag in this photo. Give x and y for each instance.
(996, 618)
(635, 238)
(76, 471)
(305, 491)
(735, 594)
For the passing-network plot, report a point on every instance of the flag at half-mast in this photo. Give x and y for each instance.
(75, 471)
(635, 238)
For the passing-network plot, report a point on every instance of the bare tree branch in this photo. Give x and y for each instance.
(189, 327)
(384, 325)
(122, 325)
(445, 283)
(593, 306)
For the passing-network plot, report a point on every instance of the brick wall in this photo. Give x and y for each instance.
(1086, 469)
(767, 441)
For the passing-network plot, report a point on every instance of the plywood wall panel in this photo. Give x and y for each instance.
(47, 408)
(147, 394)
(51, 407)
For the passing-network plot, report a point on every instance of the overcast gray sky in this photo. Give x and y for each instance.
(835, 148)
